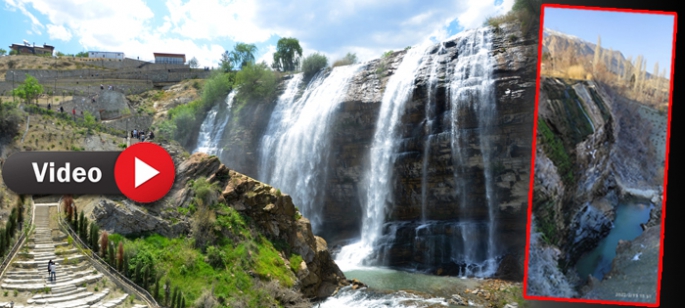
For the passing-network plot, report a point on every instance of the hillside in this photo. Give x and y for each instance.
(568, 56)
(248, 236)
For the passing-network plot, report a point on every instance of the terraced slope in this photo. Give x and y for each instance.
(25, 283)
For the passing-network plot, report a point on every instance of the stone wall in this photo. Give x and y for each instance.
(140, 122)
(155, 74)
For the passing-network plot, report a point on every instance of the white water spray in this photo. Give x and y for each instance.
(213, 127)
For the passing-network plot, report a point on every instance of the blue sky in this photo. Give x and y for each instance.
(205, 28)
(650, 35)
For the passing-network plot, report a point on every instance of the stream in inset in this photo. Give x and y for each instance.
(629, 216)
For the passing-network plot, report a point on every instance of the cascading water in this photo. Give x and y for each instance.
(430, 118)
(472, 87)
(378, 177)
(294, 151)
(213, 127)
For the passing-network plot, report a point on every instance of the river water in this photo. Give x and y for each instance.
(629, 216)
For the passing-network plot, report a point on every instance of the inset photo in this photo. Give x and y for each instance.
(598, 192)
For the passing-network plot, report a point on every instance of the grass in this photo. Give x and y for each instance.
(230, 267)
(556, 152)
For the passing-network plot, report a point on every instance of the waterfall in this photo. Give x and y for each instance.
(472, 88)
(430, 117)
(213, 126)
(295, 149)
(378, 178)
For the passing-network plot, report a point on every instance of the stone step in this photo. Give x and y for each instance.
(40, 264)
(63, 289)
(77, 303)
(61, 292)
(40, 286)
(59, 299)
(111, 303)
(24, 272)
(63, 276)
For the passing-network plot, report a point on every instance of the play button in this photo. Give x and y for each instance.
(144, 172)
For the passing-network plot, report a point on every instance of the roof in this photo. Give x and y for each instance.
(107, 51)
(169, 54)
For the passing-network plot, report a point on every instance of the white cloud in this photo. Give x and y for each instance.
(202, 19)
(59, 33)
(475, 12)
(36, 25)
(205, 28)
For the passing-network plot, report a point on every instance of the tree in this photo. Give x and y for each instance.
(29, 89)
(3, 52)
(103, 244)
(598, 57)
(226, 63)
(287, 55)
(243, 54)
(193, 63)
(14, 52)
(256, 82)
(313, 64)
(120, 257)
(60, 54)
(82, 54)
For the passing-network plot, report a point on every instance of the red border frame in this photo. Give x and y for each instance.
(532, 167)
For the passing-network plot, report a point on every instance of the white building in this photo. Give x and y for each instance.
(106, 55)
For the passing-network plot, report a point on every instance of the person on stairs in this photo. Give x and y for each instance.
(51, 270)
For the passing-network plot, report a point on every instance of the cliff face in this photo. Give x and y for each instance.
(352, 131)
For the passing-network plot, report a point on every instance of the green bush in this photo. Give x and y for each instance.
(10, 117)
(556, 152)
(256, 83)
(350, 58)
(313, 63)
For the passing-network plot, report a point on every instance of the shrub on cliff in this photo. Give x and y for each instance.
(256, 83)
(10, 116)
(350, 58)
(313, 63)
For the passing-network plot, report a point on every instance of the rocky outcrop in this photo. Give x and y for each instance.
(270, 212)
(276, 216)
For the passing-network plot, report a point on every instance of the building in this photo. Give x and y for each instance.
(29, 49)
(169, 58)
(106, 55)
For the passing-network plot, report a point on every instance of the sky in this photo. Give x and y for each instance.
(204, 29)
(633, 34)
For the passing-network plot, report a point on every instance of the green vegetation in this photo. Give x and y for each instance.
(382, 66)
(232, 267)
(10, 117)
(313, 63)
(243, 54)
(29, 90)
(556, 152)
(545, 222)
(256, 83)
(2, 53)
(350, 58)
(287, 55)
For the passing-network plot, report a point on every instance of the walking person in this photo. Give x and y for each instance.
(73, 113)
(51, 270)
(49, 106)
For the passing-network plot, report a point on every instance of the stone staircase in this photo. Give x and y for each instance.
(77, 285)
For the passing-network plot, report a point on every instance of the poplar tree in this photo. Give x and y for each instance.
(598, 57)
